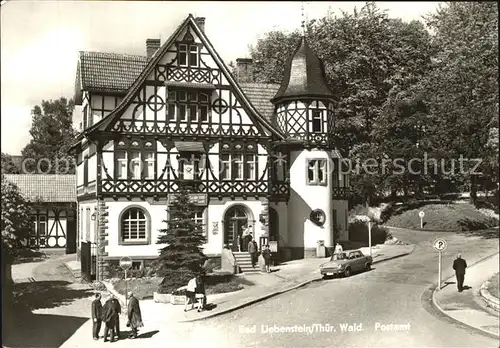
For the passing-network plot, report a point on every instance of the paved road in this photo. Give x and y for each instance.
(368, 303)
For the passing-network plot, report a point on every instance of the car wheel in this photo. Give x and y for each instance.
(368, 267)
(347, 272)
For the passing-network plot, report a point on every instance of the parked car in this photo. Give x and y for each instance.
(345, 263)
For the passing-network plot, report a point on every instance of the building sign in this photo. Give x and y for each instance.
(195, 198)
(273, 246)
(215, 227)
(318, 217)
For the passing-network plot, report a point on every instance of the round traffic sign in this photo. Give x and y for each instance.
(125, 262)
(421, 214)
(440, 244)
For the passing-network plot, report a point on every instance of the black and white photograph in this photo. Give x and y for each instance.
(233, 174)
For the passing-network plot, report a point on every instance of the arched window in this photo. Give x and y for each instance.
(134, 226)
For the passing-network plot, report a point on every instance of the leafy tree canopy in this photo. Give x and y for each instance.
(15, 222)
(52, 134)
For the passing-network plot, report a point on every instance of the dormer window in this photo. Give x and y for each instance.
(188, 55)
(317, 121)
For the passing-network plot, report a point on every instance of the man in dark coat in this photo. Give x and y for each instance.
(134, 315)
(252, 249)
(459, 265)
(118, 310)
(109, 317)
(96, 316)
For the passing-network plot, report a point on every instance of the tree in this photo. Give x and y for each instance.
(52, 135)
(15, 223)
(271, 53)
(462, 86)
(183, 257)
(8, 165)
(368, 57)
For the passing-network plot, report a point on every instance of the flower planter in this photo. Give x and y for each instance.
(177, 299)
(161, 298)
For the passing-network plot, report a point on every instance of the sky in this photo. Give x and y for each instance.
(40, 40)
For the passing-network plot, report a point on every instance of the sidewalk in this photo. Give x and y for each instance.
(468, 306)
(284, 277)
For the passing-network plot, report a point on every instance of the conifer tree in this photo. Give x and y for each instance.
(182, 257)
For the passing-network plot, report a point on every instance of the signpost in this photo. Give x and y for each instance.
(368, 218)
(440, 245)
(126, 264)
(421, 214)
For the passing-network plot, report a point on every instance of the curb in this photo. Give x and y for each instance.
(265, 297)
(437, 306)
(490, 300)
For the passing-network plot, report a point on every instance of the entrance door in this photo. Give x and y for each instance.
(235, 220)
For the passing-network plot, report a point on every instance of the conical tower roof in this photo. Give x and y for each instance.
(304, 76)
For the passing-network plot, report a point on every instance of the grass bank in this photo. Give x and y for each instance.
(444, 217)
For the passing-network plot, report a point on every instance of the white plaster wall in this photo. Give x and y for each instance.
(305, 198)
(92, 165)
(157, 213)
(79, 174)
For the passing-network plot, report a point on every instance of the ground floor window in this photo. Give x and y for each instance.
(134, 224)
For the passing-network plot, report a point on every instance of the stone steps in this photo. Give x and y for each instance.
(244, 261)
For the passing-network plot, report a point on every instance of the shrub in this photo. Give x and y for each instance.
(358, 232)
(482, 203)
(174, 280)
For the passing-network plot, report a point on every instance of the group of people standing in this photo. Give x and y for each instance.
(110, 315)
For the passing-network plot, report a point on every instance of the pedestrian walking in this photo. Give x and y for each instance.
(118, 311)
(266, 254)
(338, 248)
(109, 317)
(459, 265)
(96, 316)
(134, 315)
(190, 294)
(252, 249)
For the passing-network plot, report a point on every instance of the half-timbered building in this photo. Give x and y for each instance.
(256, 157)
(53, 214)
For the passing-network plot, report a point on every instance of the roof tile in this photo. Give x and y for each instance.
(260, 95)
(51, 188)
(110, 72)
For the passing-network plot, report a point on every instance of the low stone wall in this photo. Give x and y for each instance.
(490, 300)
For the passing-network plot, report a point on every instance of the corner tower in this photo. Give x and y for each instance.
(304, 113)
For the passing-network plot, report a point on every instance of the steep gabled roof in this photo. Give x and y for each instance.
(260, 95)
(50, 188)
(151, 63)
(108, 72)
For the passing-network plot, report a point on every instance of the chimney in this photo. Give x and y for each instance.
(200, 21)
(152, 45)
(244, 70)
